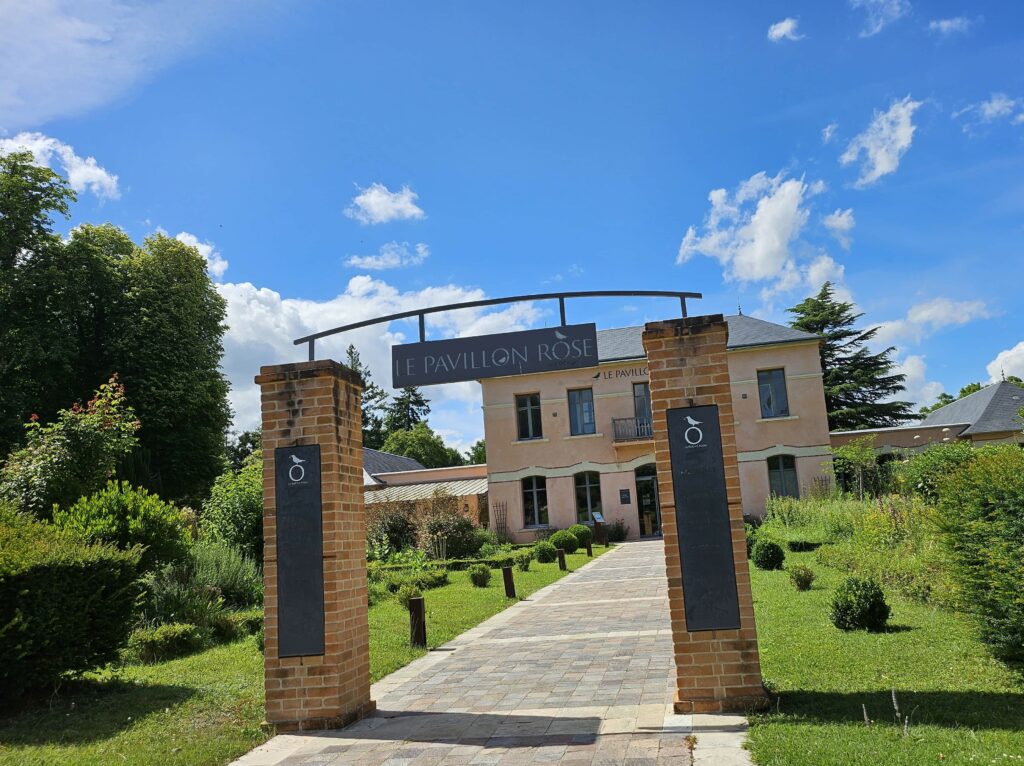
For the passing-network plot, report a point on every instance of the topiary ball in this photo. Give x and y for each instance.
(480, 575)
(583, 534)
(767, 555)
(545, 552)
(523, 560)
(407, 592)
(801, 577)
(859, 604)
(565, 540)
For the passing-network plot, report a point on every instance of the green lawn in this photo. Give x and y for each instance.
(965, 707)
(207, 708)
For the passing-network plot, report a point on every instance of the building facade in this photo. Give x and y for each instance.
(564, 445)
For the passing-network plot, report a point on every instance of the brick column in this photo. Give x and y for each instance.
(716, 670)
(304, 404)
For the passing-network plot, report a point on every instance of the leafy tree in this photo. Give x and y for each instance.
(375, 401)
(71, 457)
(477, 453)
(422, 444)
(454, 457)
(858, 384)
(234, 512)
(247, 443)
(856, 464)
(941, 401)
(407, 409)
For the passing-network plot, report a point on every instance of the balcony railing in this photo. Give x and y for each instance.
(632, 429)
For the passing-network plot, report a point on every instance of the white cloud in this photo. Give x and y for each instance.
(1008, 362)
(63, 57)
(919, 390)
(83, 173)
(840, 224)
(883, 143)
(998, 105)
(880, 13)
(262, 325)
(215, 263)
(924, 319)
(828, 132)
(377, 204)
(392, 255)
(958, 25)
(784, 30)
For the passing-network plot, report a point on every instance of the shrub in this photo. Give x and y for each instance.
(859, 604)
(71, 457)
(922, 472)
(767, 555)
(565, 540)
(375, 593)
(480, 575)
(523, 559)
(582, 533)
(545, 552)
(217, 565)
(246, 622)
(234, 512)
(423, 579)
(65, 606)
(173, 596)
(618, 531)
(486, 537)
(750, 532)
(982, 526)
(407, 592)
(165, 642)
(126, 516)
(801, 577)
(392, 525)
(448, 534)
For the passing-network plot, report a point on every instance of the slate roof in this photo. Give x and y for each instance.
(625, 342)
(375, 461)
(990, 410)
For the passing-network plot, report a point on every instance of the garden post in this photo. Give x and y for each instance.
(561, 559)
(417, 622)
(510, 583)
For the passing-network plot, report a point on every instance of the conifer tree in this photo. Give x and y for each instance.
(374, 401)
(408, 408)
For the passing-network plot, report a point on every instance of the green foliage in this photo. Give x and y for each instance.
(857, 468)
(523, 559)
(234, 512)
(420, 443)
(750, 533)
(407, 592)
(172, 595)
(65, 606)
(922, 472)
(477, 454)
(565, 540)
(859, 385)
(407, 409)
(811, 521)
(71, 457)
(216, 565)
(487, 543)
(545, 552)
(393, 525)
(424, 579)
(618, 531)
(447, 533)
(802, 577)
(374, 401)
(583, 534)
(767, 555)
(859, 604)
(165, 642)
(480, 575)
(126, 516)
(982, 525)
(245, 444)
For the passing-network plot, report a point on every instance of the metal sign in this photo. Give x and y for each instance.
(490, 356)
(300, 552)
(702, 519)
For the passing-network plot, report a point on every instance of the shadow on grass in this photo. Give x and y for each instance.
(974, 710)
(88, 710)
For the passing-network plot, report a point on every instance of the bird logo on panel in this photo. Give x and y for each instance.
(297, 472)
(693, 431)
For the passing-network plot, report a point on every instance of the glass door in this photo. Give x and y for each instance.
(647, 501)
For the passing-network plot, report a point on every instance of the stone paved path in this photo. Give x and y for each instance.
(579, 673)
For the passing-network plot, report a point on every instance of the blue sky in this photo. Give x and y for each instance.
(745, 150)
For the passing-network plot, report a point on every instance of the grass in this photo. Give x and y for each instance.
(965, 707)
(206, 709)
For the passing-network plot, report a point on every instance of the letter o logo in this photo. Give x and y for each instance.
(698, 440)
(500, 357)
(299, 476)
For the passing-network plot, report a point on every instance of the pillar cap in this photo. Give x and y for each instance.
(275, 373)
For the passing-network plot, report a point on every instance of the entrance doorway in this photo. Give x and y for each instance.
(647, 506)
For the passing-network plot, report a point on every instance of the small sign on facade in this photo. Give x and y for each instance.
(623, 497)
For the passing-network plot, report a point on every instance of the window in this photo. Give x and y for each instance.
(528, 414)
(771, 387)
(581, 412)
(782, 476)
(642, 409)
(588, 496)
(535, 501)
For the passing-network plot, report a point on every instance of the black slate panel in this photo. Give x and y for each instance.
(702, 519)
(300, 552)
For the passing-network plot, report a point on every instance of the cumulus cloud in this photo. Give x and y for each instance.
(828, 132)
(393, 255)
(377, 204)
(215, 262)
(1008, 362)
(958, 25)
(840, 224)
(926, 318)
(883, 143)
(784, 30)
(83, 173)
(262, 324)
(880, 14)
(919, 389)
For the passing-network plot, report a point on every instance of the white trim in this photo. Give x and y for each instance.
(520, 442)
(795, 376)
(775, 420)
(783, 449)
(583, 436)
(560, 472)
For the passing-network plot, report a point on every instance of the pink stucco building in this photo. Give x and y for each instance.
(562, 445)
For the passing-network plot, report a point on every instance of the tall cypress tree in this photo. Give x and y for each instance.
(407, 409)
(375, 401)
(858, 384)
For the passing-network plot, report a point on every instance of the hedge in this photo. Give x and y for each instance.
(65, 606)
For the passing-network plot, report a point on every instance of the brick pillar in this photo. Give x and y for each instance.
(305, 404)
(716, 670)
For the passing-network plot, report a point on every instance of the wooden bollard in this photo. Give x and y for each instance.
(590, 550)
(561, 559)
(417, 622)
(510, 584)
